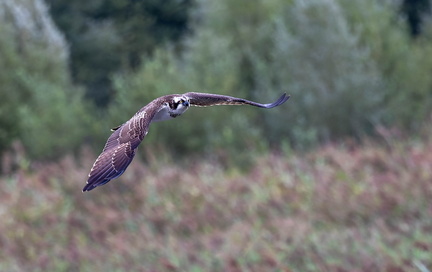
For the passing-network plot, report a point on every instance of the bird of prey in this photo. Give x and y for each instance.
(121, 146)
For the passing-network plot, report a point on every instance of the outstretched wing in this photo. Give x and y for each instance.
(109, 165)
(120, 147)
(205, 99)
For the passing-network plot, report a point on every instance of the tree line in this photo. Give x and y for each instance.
(70, 70)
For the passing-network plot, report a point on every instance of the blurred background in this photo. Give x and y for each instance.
(339, 178)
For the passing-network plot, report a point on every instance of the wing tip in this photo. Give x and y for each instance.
(282, 99)
(88, 187)
(285, 98)
(95, 183)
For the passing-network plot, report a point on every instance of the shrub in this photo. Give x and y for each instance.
(39, 106)
(405, 64)
(56, 121)
(335, 84)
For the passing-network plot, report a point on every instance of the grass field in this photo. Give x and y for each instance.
(342, 207)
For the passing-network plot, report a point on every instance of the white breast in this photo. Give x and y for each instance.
(162, 115)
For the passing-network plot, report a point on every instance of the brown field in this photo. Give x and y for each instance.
(342, 207)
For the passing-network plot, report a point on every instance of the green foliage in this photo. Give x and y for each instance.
(10, 97)
(110, 36)
(38, 105)
(55, 121)
(334, 81)
(349, 66)
(405, 64)
(340, 62)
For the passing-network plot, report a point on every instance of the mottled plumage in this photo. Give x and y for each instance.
(121, 146)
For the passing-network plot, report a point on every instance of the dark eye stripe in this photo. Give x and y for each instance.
(173, 105)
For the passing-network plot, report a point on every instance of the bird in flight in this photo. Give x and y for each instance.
(121, 146)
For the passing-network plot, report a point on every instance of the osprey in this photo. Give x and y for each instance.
(121, 146)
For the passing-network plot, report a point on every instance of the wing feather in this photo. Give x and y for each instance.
(113, 140)
(205, 100)
(110, 165)
(120, 147)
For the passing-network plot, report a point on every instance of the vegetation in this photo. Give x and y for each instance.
(349, 66)
(342, 207)
(107, 37)
(39, 105)
(347, 76)
(337, 179)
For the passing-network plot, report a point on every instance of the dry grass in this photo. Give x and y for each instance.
(339, 208)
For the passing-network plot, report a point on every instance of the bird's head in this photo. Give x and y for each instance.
(178, 105)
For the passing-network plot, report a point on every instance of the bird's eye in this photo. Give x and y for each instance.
(181, 101)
